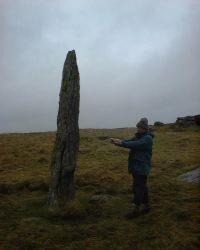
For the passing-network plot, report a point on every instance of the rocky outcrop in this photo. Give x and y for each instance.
(65, 152)
(158, 123)
(188, 120)
(197, 119)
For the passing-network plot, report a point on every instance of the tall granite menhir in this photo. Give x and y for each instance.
(65, 152)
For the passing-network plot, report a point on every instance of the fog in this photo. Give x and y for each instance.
(136, 59)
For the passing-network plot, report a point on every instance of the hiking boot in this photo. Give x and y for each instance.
(134, 212)
(145, 209)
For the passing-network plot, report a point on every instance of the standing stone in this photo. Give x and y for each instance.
(65, 152)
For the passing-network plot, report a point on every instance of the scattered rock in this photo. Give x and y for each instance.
(98, 198)
(188, 120)
(191, 176)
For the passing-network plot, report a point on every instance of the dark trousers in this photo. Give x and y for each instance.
(140, 189)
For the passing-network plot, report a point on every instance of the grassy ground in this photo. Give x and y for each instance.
(27, 222)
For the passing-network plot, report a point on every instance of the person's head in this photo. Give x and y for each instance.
(142, 125)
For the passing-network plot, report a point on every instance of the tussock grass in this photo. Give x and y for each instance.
(28, 223)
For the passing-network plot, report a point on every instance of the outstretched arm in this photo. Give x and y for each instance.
(141, 144)
(117, 142)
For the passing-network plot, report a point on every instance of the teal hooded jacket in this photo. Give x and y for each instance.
(139, 160)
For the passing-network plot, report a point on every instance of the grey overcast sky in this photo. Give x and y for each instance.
(137, 58)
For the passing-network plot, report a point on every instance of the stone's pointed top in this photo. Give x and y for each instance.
(71, 52)
(71, 56)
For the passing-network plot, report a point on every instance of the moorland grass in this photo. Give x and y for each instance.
(28, 223)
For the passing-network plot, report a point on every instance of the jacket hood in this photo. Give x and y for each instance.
(149, 132)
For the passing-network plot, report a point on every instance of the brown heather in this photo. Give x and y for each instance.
(28, 223)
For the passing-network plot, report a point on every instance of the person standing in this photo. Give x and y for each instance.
(139, 165)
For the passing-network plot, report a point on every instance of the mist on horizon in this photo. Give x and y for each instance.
(139, 59)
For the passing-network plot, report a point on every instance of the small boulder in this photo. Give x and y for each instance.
(99, 198)
(192, 176)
